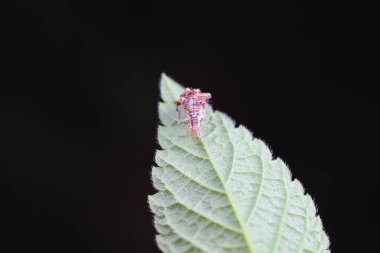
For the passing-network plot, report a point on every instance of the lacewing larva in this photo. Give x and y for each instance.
(193, 102)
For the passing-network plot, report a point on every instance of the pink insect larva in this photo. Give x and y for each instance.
(193, 102)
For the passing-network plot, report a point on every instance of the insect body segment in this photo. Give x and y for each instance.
(193, 101)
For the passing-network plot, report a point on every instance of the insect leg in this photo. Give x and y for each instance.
(180, 110)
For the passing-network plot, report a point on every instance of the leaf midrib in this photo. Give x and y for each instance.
(228, 194)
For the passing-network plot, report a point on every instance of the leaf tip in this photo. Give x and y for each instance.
(169, 89)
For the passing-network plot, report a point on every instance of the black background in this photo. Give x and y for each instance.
(79, 93)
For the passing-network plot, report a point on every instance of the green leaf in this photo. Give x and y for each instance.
(224, 192)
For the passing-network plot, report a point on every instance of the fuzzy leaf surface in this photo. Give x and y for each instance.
(224, 192)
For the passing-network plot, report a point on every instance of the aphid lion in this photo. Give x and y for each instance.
(193, 101)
